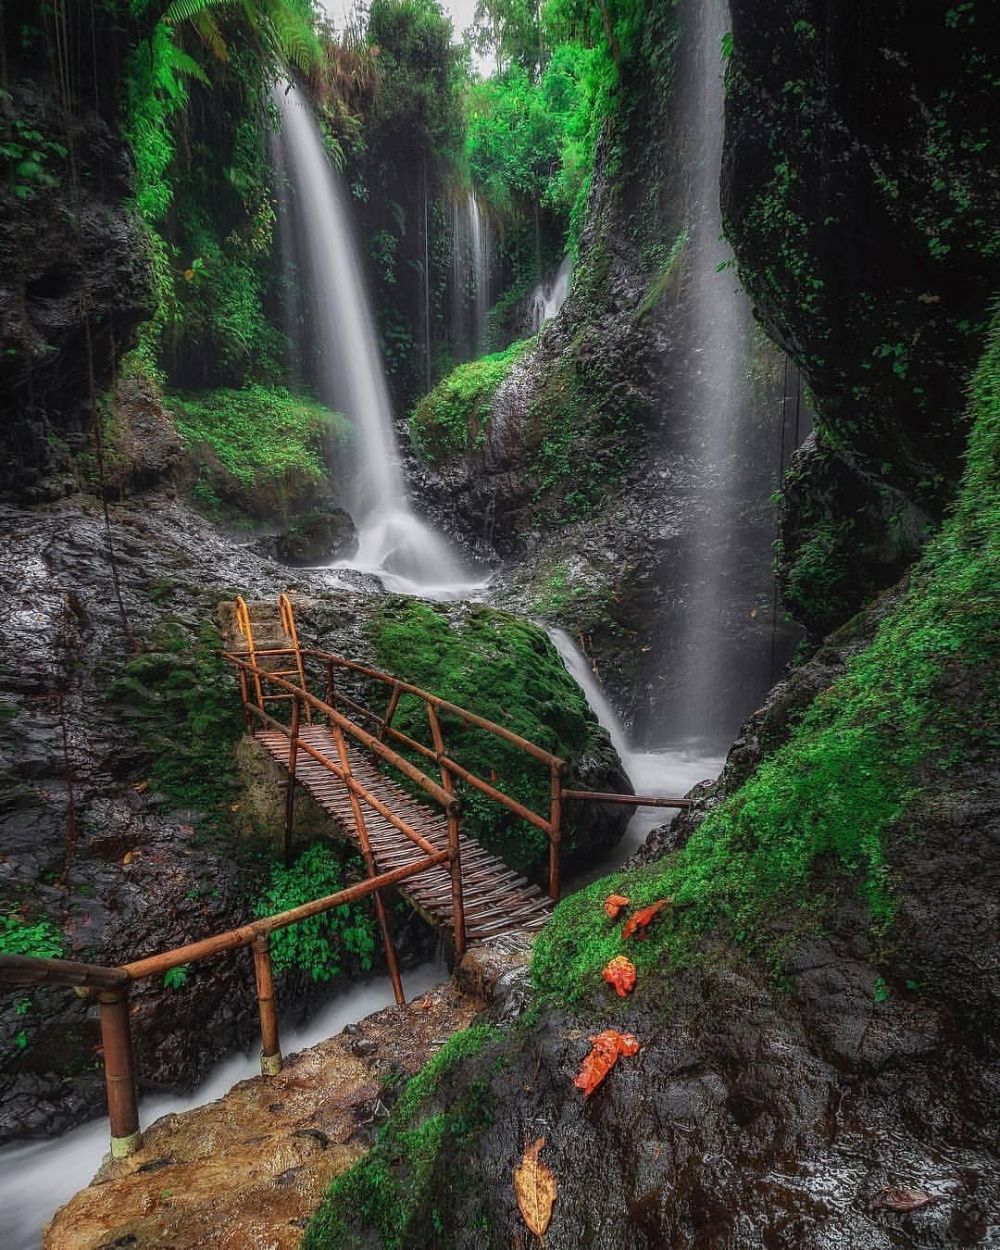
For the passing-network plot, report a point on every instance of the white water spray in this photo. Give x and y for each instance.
(659, 774)
(549, 296)
(393, 543)
(36, 1178)
(471, 267)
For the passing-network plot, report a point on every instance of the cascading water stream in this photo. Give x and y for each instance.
(36, 1178)
(471, 262)
(665, 773)
(717, 654)
(549, 296)
(394, 543)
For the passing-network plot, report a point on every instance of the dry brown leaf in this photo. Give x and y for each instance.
(535, 1188)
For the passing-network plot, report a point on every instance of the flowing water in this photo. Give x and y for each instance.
(471, 264)
(393, 542)
(550, 295)
(722, 644)
(36, 1178)
(664, 773)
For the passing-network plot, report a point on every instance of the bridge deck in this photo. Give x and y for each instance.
(496, 898)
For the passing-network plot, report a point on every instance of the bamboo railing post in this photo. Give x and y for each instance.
(119, 1073)
(331, 689)
(369, 858)
(270, 1052)
(454, 837)
(245, 699)
(293, 750)
(555, 829)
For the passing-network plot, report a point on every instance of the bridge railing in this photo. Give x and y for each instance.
(111, 987)
(254, 679)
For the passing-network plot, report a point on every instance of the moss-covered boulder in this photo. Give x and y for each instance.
(259, 451)
(506, 669)
(453, 419)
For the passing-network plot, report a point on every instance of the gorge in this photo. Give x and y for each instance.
(640, 395)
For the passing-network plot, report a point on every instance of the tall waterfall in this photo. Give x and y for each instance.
(347, 366)
(722, 442)
(471, 263)
(550, 294)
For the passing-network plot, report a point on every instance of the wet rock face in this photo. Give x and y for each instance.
(860, 205)
(92, 838)
(755, 1114)
(74, 279)
(320, 537)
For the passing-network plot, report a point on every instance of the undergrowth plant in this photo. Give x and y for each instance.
(317, 946)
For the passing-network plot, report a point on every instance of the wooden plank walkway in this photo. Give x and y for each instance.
(496, 899)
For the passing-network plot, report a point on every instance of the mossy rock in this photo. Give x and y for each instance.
(505, 669)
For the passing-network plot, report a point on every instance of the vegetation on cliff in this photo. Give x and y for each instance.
(259, 448)
(453, 419)
(914, 703)
(507, 670)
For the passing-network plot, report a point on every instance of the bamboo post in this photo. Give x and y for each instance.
(331, 689)
(555, 830)
(245, 698)
(369, 858)
(270, 1053)
(293, 750)
(119, 1073)
(454, 840)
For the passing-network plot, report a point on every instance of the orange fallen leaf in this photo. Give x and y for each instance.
(613, 905)
(129, 856)
(607, 1046)
(641, 918)
(620, 973)
(535, 1188)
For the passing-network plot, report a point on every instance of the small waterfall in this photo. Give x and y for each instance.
(471, 264)
(659, 774)
(549, 296)
(348, 374)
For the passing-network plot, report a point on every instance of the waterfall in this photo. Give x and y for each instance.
(471, 263)
(550, 295)
(664, 773)
(349, 377)
(719, 629)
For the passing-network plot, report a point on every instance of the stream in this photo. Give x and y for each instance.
(36, 1178)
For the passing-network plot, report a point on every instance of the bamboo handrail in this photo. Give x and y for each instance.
(366, 739)
(112, 985)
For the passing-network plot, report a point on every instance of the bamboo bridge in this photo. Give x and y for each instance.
(405, 824)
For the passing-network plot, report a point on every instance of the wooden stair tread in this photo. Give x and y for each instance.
(496, 898)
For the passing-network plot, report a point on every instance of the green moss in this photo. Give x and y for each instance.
(385, 1189)
(819, 584)
(179, 699)
(917, 698)
(260, 449)
(453, 418)
(508, 671)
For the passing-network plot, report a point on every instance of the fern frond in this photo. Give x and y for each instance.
(179, 11)
(208, 28)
